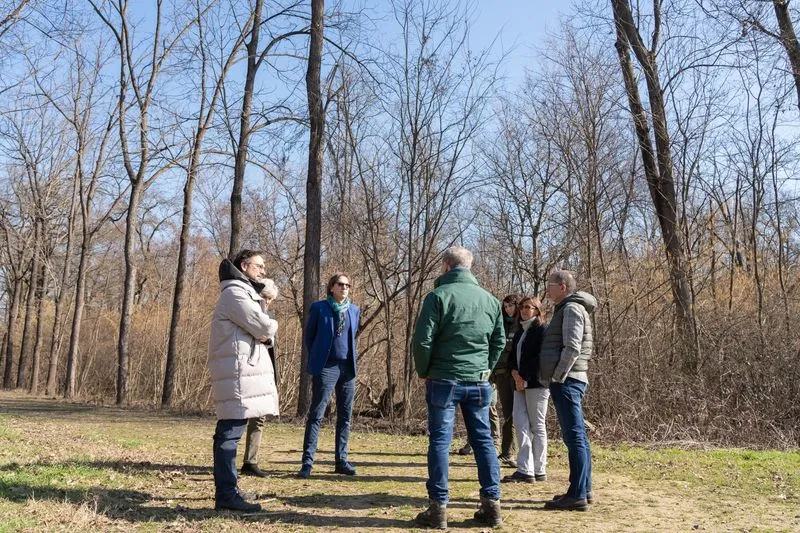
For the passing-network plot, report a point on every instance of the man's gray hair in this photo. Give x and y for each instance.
(564, 277)
(457, 257)
(270, 290)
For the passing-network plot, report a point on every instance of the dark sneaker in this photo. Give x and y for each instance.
(305, 472)
(465, 450)
(249, 469)
(567, 503)
(236, 503)
(489, 513)
(518, 477)
(345, 468)
(507, 461)
(589, 497)
(541, 477)
(434, 517)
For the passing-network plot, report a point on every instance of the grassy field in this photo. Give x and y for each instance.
(76, 467)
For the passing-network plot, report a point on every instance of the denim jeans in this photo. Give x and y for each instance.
(567, 398)
(226, 439)
(338, 377)
(443, 396)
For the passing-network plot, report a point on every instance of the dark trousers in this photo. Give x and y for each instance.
(567, 398)
(505, 394)
(226, 439)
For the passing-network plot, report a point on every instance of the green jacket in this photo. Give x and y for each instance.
(459, 333)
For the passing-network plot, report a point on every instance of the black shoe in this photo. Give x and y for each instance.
(507, 460)
(489, 513)
(518, 477)
(540, 477)
(434, 517)
(589, 497)
(236, 503)
(567, 503)
(250, 469)
(465, 450)
(305, 472)
(345, 468)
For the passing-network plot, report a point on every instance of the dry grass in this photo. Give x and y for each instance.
(75, 467)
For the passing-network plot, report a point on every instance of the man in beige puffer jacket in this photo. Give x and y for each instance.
(242, 376)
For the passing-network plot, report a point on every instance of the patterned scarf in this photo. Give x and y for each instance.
(339, 309)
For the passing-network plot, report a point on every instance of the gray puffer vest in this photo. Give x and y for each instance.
(552, 345)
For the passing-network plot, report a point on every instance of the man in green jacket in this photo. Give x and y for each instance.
(458, 339)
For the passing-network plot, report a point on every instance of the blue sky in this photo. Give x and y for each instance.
(522, 24)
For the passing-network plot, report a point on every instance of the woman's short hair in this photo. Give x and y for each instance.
(332, 281)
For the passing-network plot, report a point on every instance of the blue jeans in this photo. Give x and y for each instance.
(567, 398)
(338, 377)
(226, 439)
(443, 395)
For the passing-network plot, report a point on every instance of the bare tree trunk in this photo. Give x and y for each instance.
(659, 175)
(240, 161)
(75, 332)
(29, 310)
(13, 314)
(316, 148)
(61, 293)
(123, 353)
(37, 345)
(789, 40)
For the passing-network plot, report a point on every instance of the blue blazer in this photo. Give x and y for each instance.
(319, 334)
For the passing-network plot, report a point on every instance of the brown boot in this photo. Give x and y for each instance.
(489, 512)
(434, 517)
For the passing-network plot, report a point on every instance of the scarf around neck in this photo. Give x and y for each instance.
(339, 309)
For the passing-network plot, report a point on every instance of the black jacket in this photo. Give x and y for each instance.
(529, 360)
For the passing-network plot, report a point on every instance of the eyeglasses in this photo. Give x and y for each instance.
(531, 307)
(345, 285)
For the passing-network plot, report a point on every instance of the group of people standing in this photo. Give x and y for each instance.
(461, 334)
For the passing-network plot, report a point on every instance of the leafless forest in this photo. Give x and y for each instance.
(649, 147)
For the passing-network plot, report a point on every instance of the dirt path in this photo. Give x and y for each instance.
(72, 466)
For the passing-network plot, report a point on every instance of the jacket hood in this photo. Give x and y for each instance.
(456, 275)
(228, 271)
(588, 301)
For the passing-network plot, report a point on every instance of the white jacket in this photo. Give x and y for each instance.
(242, 377)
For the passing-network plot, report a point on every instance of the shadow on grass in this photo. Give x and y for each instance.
(140, 506)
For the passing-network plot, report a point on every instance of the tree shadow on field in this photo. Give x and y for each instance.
(123, 467)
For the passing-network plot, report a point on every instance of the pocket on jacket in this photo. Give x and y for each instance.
(439, 392)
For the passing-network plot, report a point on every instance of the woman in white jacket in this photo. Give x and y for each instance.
(242, 376)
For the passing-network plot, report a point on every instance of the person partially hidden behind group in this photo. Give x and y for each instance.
(255, 426)
(330, 337)
(242, 376)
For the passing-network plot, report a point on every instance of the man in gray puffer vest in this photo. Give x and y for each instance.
(563, 365)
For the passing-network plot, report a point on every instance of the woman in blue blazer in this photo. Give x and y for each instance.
(330, 336)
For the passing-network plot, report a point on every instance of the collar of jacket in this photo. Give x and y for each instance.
(456, 275)
(584, 298)
(228, 271)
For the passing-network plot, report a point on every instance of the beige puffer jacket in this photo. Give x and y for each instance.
(242, 377)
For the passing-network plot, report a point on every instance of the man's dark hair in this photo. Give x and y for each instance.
(245, 255)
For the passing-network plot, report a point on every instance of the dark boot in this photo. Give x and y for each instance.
(489, 512)
(236, 503)
(567, 503)
(249, 469)
(465, 450)
(589, 497)
(434, 517)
